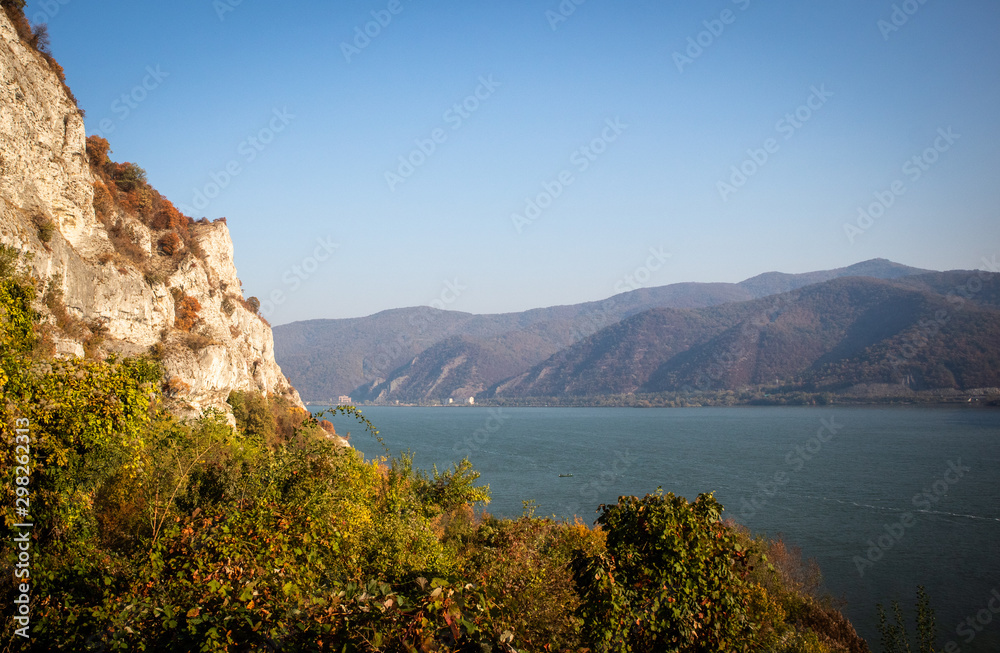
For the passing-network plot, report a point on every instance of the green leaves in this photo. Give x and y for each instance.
(669, 581)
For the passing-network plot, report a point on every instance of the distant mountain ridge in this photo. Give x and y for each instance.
(422, 354)
(825, 337)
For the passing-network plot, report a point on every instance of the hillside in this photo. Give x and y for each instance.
(392, 355)
(831, 337)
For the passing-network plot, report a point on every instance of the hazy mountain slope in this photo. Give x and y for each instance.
(827, 336)
(327, 358)
(772, 283)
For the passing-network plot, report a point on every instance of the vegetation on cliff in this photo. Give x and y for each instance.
(37, 37)
(153, 533)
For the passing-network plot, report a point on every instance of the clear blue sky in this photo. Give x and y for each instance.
(550, 89)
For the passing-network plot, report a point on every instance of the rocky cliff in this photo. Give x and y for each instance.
(110, 287)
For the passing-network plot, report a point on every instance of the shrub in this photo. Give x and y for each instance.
(197, 341)
(40, 38)
(153, 278)
(169, 244)
(186, 312)
(46, 227)
(673, 579)
(175, 386)
(228, 306)
(104, 203)
(97, 151)
(127, 176)
(253, 416)
(168, 217)
(253, 304)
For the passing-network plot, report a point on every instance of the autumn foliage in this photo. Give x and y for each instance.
(170, 244)
(124, 186)
(186, 312)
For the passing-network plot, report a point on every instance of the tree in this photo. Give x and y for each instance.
(97, 150)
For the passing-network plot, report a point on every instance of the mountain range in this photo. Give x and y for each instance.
(876, 322)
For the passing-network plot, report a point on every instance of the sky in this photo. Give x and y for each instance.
(489, 156)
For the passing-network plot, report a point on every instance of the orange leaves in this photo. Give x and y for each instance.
(186, 312)
(97, 150)
(168, 217)
(170, 244)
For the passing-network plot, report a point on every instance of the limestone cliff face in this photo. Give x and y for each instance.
(45, 179)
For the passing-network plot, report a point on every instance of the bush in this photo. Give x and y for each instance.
(186, 312)
(169, 244)
(127, 176)
(46, 227)
(673, 579)
(97, 151)
(40, 38)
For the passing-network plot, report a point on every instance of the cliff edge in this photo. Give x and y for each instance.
(125, 273)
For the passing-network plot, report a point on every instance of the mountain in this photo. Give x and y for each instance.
(916, 333)
(123, 271)
(393, 355)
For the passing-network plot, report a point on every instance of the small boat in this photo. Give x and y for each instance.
(565, 475)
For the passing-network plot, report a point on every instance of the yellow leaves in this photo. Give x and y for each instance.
(193, 612)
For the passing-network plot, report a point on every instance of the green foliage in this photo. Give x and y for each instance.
(17, 316)
(129, 176)
(894, 636)
(673, 578)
